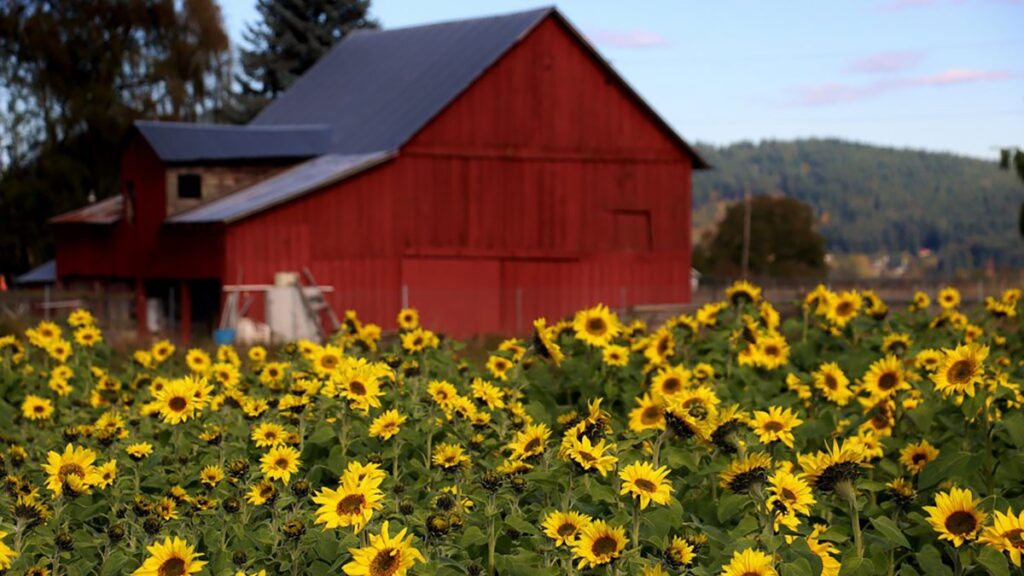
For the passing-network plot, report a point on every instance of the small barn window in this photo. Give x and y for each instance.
(190, 186)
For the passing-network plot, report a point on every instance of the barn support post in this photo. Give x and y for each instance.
(140, 308)
(186, 313)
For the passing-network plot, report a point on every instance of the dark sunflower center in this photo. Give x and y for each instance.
(919, 458)
(281, 463)
(566, 530)
(603, 546)
(844, 309)
(328, 361)
(961, 522)
(650, 415)
(960, 372)
(596, 326)
(888, 381)
(671, 385)
(787, 495)
(172, 567)
(586, 456)
(71, 470)
(532, 445)
(351, 504)
(772, 350)
(831, 383)
(386, 562)
(418, 341)
(1015, 537)
(177, 403)
(39, 408)
(774, 426)
(357, 388)
(645, 485)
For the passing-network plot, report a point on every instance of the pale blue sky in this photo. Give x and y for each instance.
(935, 74)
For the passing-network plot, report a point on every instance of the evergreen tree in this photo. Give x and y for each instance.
(289, 38)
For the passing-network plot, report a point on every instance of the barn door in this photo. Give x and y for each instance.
(460, 297)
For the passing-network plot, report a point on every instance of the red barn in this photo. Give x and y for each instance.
(484, 171)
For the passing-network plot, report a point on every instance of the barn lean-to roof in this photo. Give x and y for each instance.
(186, 142)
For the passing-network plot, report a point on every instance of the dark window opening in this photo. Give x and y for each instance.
(190, 186)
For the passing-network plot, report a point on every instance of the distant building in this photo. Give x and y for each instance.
(485, 171)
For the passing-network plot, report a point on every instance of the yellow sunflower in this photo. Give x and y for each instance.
(74, 466)
(529, 442)
(896, 343)
(385, 556)
(408, 319)
(139, 450)
(742, 292)
(210, 476)
(269, 434)
(596, 326)
(648, 415)
(545, 342)
(842, 308)
(830, 380)
(670, 382)
(88, 336)
(352, 504)
(746, 472)
(826, 552)
(172, 556)
(280, 462)
(488, 394)
(749, 562)
(838, 466)
(327, 359)
(177, 400)
(614, 355)
(915, 456)
(598, 544)
(499, 366)
(1006, 534)
(789, 493)
(591, 457)
(387, 425)
(885, 378)
(680, 552)
(949, 298)
(960, 370)
(261, 493)
(955, 516)
(775, 425)
(36, 408)
(564, 527)
(7, 555)
(450, 456)
(646, 483)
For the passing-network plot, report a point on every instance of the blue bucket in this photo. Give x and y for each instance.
(224, 336)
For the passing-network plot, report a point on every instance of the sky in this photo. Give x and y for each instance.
(943, 75)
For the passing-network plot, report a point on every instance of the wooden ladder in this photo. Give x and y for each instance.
(317, 307)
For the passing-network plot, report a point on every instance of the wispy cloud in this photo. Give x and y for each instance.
(962, 76)
(628, 38)
(886, 62)
(838, 93)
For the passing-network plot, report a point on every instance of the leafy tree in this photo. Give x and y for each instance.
(783, 242)
(1013, 159)
(73, 76)
(873, 200)
(289, 38)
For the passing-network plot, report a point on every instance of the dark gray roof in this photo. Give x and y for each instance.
(288, 185)
(377, 89)
(176, 142)
(43, 274)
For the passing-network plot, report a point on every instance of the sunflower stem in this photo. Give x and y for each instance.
(636, 525)
(491, 538)
(847, 490)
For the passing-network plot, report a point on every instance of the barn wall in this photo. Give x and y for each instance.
(542, 189)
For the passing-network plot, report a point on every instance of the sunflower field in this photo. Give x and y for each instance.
(847, 438)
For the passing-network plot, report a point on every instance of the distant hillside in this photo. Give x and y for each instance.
(876, 200)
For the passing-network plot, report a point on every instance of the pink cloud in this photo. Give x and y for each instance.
(961, 76)
(629, 38)
(837, 93)
(885, 62)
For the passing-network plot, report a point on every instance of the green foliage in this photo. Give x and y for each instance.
(783, 241)
(875, 200)
(74, 75)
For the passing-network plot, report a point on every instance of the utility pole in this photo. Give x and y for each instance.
(746, 234)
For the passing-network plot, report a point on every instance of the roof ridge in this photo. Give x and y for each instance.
(539, 10)
(217, 126)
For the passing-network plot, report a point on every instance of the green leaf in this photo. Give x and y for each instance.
(930, 561)
(1014, 424)
(472, 537)
(994, 562)
(891, 533)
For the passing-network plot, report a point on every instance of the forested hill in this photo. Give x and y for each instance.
(876, 200)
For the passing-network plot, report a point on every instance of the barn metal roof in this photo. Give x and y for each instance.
(45, 273)
(104, 212)
(278, 189)
(177, 142)
(377, 89)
